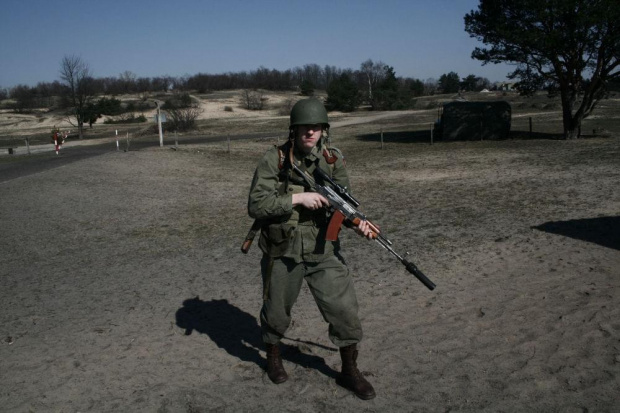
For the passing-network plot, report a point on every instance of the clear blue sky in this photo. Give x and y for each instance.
(419, 38)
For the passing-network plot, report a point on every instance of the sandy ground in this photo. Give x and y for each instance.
(123, 287)
(222, 105)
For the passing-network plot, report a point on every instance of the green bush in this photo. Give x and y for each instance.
(181, 101)
(109, 106)
(342, 94)
(307, 88)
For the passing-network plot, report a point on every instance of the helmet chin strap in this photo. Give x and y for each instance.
(291, 152)
(292, 137)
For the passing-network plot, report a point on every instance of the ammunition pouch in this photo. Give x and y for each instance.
(275, 239)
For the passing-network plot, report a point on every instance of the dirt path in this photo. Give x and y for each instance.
(357, 120)
(123, 288)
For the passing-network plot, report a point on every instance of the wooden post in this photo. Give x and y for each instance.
(28, 145)
(176, 140)
(127, 141)
(381, 138)
(432, 128)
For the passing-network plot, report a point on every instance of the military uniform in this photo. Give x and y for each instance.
(294, 246)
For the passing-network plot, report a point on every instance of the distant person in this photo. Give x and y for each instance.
(293, 223)
(58, 138)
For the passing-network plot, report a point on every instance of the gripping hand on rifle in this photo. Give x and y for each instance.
(310, 200)
(314, 201)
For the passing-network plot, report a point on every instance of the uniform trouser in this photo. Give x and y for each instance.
(332, 289)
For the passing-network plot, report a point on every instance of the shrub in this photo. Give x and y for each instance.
(253, 99)
(182, 119)
(181, 101)
(307, 88)
(110, 107)
(342, 94)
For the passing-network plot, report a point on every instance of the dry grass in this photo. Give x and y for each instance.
(218, 119)
(97, 268)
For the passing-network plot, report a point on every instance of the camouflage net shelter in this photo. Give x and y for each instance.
(475, 120)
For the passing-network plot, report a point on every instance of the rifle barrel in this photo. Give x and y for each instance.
(411, 267)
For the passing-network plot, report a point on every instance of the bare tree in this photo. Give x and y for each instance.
(253, 99)
(374, 72)
(128, 80)
(312, 73)
(431, 85)
(76, 75)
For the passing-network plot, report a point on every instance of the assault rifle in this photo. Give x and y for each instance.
(344, 207)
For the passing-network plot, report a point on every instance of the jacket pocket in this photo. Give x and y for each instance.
(275, 239)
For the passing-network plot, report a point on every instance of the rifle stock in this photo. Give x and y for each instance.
(247, 243)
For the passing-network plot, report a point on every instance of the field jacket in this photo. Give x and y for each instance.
(296, 233)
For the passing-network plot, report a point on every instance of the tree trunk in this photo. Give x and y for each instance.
(571, 123)
(571, 133)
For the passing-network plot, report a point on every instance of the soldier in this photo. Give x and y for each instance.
(293, 227)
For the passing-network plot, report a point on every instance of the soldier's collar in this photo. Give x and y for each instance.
(312, 156)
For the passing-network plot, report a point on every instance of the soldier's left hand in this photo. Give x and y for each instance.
(364, 230)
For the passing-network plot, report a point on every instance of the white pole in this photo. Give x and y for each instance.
(161, 134)
(117, 147)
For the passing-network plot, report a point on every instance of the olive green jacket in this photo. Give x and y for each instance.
(296, 233)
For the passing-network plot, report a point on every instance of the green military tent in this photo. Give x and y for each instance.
(475, 120)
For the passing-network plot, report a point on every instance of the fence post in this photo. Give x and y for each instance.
(432, 130)
(381, 138)
(161, 133)
(28, 145)
(176, 140)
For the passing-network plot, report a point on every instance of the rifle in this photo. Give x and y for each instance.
(344, 207)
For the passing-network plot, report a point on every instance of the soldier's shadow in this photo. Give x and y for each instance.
(238, 333)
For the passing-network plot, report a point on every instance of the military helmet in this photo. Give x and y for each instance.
(308, 112)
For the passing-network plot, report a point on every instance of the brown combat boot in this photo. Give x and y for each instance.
(275, 369)
(351, 378)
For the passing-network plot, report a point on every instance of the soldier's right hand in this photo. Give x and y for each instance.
(310, 200)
